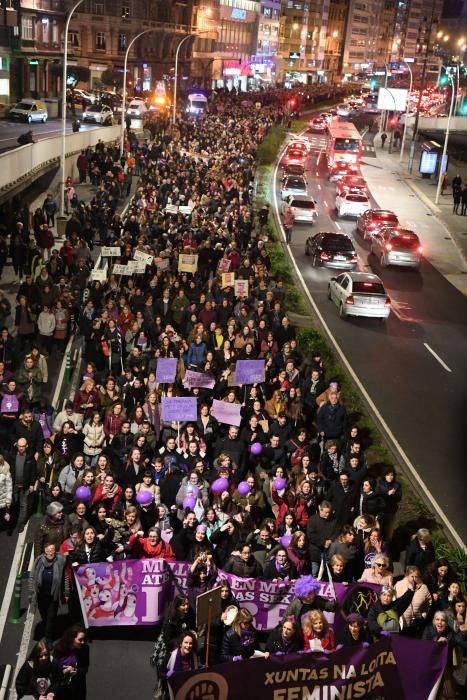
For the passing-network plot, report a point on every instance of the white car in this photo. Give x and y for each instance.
(137, 108)
(352, 203)
(98, 114)
(343, 110)
(303, 207)
(293, 184)
(303, 144)
(359, 294)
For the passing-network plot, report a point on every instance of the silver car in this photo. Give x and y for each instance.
(303, 207)
(359, 294)
(400, 247)
(293, 184)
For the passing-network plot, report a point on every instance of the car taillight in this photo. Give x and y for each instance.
(324, 256)
(420, 249)
(388, 246)
(350, 300)
(387, 302)
(372, 226)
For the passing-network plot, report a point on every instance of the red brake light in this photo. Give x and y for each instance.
(420, 249)
(324, 256)
(368, 284)
(387, 302)
(350, 300)
(388, 246)
(372, 226)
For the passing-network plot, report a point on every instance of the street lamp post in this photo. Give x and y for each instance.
(177, 53)
(446, 138)
(65, 68)
(122, 126)
(404, 130)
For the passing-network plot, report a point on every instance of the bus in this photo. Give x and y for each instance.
(197, 103)
(344, 144)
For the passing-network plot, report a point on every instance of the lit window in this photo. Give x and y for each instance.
(100, 41)
(27, 31)
(126, 11)
(122, 42)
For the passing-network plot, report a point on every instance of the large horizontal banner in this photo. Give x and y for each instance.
(394, 668)
(138, 592)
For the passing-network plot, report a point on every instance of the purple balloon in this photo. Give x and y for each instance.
(189, 502)
(279, 483)
(83, 493)
(192, 490)
(219, 485)
(285, 540)
(256, 448)
(144, 498)
(244, 488)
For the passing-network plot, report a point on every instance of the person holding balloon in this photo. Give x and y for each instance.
(250, 498)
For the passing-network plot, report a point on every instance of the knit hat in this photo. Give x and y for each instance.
(54, 508)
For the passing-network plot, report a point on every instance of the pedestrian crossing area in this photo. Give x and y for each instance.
(369, 150)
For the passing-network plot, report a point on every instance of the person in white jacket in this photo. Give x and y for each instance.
(94, 438)
(6, 491)
(66, 415)
(46, 327)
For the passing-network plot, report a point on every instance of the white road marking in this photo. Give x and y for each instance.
(338, 226)
(437, 357)
(325, 203)
(319, 187)
(374, 409)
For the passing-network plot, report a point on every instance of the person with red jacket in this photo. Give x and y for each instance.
(152, 546)
(107, 493)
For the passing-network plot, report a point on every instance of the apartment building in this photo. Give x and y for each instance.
(302, 43)
(363, 29)
(9, 27)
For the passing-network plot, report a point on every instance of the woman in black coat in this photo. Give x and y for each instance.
(355, 633)
(180, 618)
(371, 503)
(279, 567)
(421, 552)
(88, 549)
(239, 640)
(72, 655)
(284, 639)
(39, 675)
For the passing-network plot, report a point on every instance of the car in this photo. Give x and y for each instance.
(293, 167)
(318, 125)
(29, 110)
(342, 168)
(400, 247)
(351, 182)
(359, 294)
(304, 208)
(372, 220)
(331, 249)
(98, 114)
(82, 96)
(294, 154)
(137, 108)
(327, 116)
(293, 184)
(351, 203)
(343, 110)
(301, 145)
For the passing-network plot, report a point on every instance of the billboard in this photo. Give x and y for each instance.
(392, 99)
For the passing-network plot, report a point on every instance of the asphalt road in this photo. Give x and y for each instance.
(422, 403)
(9, 131)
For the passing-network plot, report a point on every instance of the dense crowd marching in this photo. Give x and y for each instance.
(286, 496)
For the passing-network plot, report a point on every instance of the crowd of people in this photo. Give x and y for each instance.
(299, 501)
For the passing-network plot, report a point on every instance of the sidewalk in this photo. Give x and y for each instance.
(442, 233)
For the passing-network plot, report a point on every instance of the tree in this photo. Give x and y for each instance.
(111, 78)
(74, 75)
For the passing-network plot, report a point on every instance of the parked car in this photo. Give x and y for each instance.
(397, 247)
(351, 203)
(98, 114)
(372, 220)
(331, 249)
(29, 110)
(293, 184)
(359, 294)
(304, 208)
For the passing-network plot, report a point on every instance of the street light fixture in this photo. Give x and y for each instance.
(122, 126)
(65, 69)
(407, 62)
(446, 138)
(177, 53)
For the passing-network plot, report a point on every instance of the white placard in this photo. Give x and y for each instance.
(171, 209)
(143, 257)
(121, 270)
(111, 251)
(132, 266)
(99, 275)
(185, 210)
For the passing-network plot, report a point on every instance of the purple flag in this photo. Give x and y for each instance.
(179, 408)
(226, 412)
(395, 667)
(198, 379)
(249, 372)
(166, 370)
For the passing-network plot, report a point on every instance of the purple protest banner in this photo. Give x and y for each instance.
(396, 667)
(249, 372)
(179, 408)
(166, 370)
(198, 379)
(226, 412)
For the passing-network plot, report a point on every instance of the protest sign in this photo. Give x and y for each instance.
(99, 275)
(144, 257)
(111, 251)
(132, 266)
(224, 265)
(186, 211)
(162, 263)
(171, 209)
(179, 408)
(227, 279)
(187, 263)
(166, 370)
(395, 667)
(226, 412)
(198, 379)
(249, 372)
(121, 270)
(241, 288)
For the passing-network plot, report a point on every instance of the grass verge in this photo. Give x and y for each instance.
(413, 512)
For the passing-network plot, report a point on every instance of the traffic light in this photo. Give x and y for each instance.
(443, 78)
(463, 109)
(373, 83)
